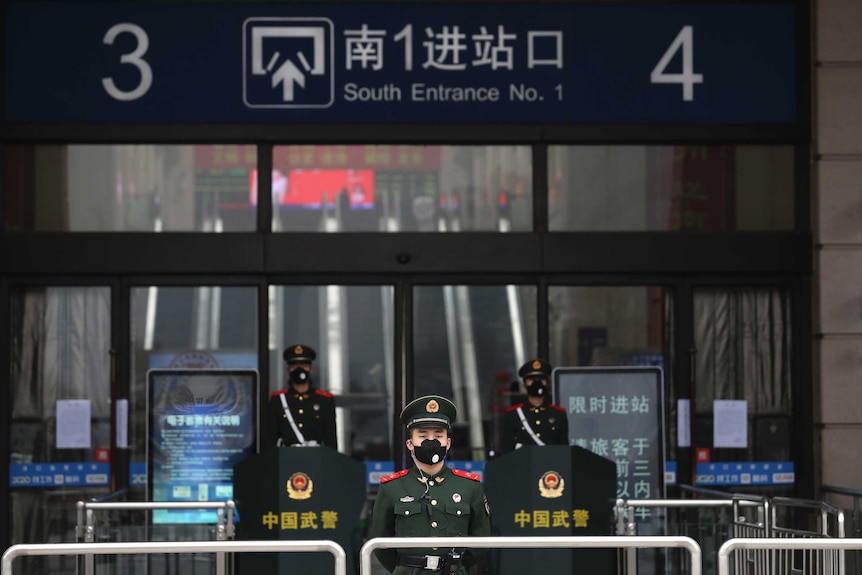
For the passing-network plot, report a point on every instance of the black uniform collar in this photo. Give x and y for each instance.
(297, 395)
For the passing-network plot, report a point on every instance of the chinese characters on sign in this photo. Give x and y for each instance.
(294, 520)
(202, 420)
(404, 62)
(617, 413)
(747, 473)
(451, 49)
(448, 48)
(546, 518)
(58, 474)
(629, 453)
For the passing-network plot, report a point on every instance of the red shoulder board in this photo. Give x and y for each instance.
(466, 474)
(395, 475)
(558, 408)
(514, 407)
(279, 392)
(323, 393)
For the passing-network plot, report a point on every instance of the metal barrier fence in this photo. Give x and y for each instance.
(225, 528)
(512, 542)
(86, 530)
(829, 547)
(747, 517)
(797, 519)
(149, 548)
(850, 501)
(710, 522)
(750, 519)
(338, 553)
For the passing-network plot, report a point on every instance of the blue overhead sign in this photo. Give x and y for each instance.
(745, 473)
(83, 474)
(678, 62)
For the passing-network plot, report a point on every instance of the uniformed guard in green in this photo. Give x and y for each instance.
(429, 499)
(538, 421)
(302, 414)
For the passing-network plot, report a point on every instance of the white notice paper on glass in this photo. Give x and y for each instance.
(73, 423)
(730, 423)
(683, 423)
(123, 423)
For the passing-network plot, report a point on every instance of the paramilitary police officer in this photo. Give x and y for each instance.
(429, 500)
(537, 422)
(302, 414)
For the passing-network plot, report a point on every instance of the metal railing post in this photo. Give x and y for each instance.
(174, 547)
(224, 525)
(780, 543)
(517, 542)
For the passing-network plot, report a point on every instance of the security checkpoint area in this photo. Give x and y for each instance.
(728, 535)
(433, 196)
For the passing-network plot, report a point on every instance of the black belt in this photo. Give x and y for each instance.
(429, 562)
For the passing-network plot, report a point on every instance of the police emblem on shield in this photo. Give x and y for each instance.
(551, 485)
(299, 486)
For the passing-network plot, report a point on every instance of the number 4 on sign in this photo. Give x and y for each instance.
(685, 41)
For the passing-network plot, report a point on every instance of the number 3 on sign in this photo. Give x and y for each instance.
(134, 58)
(685, 41)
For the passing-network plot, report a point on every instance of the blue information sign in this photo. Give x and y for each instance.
(201, 422)
(678, 62)
(670, 472)
(59, 474)
(374, 470)
(747, 473)
(137, 474)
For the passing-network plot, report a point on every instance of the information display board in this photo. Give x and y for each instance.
(510, 62)
(618, 413)
(201, 422)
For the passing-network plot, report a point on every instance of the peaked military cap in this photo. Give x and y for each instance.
(299, 354)
(429, 411)
(535, 367)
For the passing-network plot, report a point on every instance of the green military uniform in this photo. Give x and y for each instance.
(411, 503)
(548, 422)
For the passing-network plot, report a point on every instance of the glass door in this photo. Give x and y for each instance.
(601, 326)
(468, 342)
(60, 429)
(743, 402)
(351, 329)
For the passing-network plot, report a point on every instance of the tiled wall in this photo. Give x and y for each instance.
(838, 236)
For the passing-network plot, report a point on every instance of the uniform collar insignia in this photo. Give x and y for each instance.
(439, 479)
